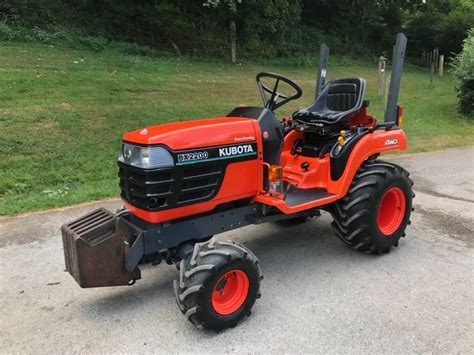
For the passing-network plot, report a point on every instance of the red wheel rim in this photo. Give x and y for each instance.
(391, 210)
(230, 292)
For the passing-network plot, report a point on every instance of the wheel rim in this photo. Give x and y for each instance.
(391, 210)
(230, 292)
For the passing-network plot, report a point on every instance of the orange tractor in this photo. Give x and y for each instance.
(184, 182)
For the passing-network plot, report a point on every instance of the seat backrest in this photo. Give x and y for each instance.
(338, 99)
(342, 97)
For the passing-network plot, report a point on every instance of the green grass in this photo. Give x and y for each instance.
(63, 113)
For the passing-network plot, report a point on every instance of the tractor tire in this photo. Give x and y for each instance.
(374, 214)
(218, 284)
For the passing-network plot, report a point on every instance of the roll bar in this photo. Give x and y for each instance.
(391, 110)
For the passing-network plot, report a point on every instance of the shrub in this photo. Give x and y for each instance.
(132, 48)
(39, 35)
(97, 44)
(6, 33)
(64, 37)
(463, 68)
(75, 41)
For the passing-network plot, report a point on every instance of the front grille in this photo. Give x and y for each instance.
(165, 188)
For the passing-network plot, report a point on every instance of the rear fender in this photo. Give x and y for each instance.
(377, 142)
(370, 144)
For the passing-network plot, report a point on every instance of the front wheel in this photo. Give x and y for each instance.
(374, 214)
(218, 284)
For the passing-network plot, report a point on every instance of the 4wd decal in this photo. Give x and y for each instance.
(391, 141)
(239, 152)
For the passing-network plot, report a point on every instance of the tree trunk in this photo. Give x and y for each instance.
(176, 48)
(233, 42)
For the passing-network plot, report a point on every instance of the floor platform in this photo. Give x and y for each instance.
(295, 196)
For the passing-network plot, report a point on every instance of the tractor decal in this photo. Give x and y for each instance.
(391, 141)
(237, 152)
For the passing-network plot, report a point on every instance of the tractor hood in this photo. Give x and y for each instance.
(197, 134)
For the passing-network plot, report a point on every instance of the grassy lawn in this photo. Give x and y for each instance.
(63, 113)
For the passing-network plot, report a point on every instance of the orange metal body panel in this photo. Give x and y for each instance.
(241, 180)
(245, 179)
(368, 145)
(364, 119)
(318, 171)
(197, 134)
(316, 176)
(290, 140)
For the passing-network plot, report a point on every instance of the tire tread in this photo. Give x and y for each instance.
(351, 213)
(206, 258)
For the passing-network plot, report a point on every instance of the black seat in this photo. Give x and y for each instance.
(337, 101)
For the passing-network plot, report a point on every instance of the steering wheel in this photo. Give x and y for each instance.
(273, 103)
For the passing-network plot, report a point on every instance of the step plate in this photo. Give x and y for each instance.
(295, 196)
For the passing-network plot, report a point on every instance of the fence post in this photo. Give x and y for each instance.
(381, 78)
(233, 42)
(441, 65)
(432, 71)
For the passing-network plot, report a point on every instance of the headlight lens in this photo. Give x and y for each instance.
(145, 157)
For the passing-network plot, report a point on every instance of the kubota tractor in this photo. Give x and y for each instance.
(184, 182)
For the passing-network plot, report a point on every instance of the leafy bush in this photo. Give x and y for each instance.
(96, 44)
(64, 37)
(463, 68)
(38, 35)
(6, 33)
(265, 29)
(133, 48)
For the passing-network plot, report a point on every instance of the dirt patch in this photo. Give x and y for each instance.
(135, 90)
(431, 192)
(425, 186)
(65, 106)
(15, 235)
(454, 226)
(143, 90)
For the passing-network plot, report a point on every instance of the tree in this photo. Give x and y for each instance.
(265, 28)
(463, 68)
(231, 6)
(438, 23)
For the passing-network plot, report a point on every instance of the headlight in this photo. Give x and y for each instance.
(145, 157)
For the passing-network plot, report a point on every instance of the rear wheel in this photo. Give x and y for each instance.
(373, 216)
(218, 284)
